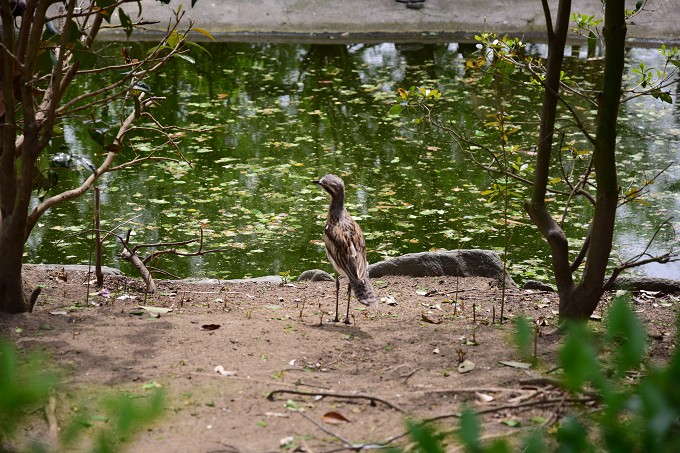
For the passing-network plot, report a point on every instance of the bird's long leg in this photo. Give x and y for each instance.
(349, 296)
(337, 296)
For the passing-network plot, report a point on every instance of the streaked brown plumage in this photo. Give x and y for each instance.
(345, 247)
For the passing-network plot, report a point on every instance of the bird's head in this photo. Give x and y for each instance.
(333, 185)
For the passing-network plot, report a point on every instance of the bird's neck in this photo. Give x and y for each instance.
(336, 207)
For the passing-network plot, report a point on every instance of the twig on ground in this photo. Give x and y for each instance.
(328, 431)
(545, 402)
(478, 389)
(336, 395)
(406, 376)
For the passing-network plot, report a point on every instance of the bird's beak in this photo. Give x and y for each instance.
(317, 181)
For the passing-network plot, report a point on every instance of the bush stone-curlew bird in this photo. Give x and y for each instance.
(345, 247)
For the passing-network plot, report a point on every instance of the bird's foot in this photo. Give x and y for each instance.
(336, 319)
(347, 321)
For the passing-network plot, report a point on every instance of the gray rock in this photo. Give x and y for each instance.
(275, 279)
(538, 286)
(665, 285)
(201, 281)
(463, 263)
(315, 275)
(74, 268)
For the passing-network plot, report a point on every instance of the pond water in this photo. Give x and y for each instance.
(282, 115)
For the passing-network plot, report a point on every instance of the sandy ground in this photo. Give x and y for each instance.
(361, 20)
(397, 361)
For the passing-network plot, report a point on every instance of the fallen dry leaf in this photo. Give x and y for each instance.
(334, 418)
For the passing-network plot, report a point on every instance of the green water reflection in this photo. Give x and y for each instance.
(283, 115)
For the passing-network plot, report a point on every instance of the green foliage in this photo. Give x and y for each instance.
(578, 358)
(633, 415)
(104, 423)
(470, 431)
(113, 421)
(524, 338)
(24, 386)
(125, 22)
(584, 24)
(426, 437)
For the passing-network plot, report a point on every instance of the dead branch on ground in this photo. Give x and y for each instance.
(373, 399)
(131, 254)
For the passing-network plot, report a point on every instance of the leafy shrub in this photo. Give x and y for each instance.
(111, 420)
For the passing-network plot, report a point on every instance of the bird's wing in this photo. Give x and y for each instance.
(346, 247)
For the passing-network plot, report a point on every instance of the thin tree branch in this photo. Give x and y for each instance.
(89, 182)
(349, 444)
(638, 260)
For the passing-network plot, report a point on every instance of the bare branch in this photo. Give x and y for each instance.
(349, 444)
(139, 160)
(639, 192)
(460, 138)
(645, 257)
(134, 259)
(89, 182)
(548, 19)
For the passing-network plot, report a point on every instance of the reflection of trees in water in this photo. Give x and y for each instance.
(419, 59)
(331, 78)
(324, 71)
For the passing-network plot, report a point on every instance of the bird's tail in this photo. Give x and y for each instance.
(363, 291)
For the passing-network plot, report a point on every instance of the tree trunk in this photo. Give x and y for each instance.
(536, 207)
(580, 300)
(12, 297)
(587, 295)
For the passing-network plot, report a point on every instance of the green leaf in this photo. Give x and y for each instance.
(524, 337)
(174, 39)
(185, 57)
(425, 437)
(85, 58)
(151, 385)
(512, 423)
(396, 109)
(73, 32)
(625, 330)
(104, 3)
(578, 357)
(292, 406)
(125, 22)
(470, 430)
(203, 31)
